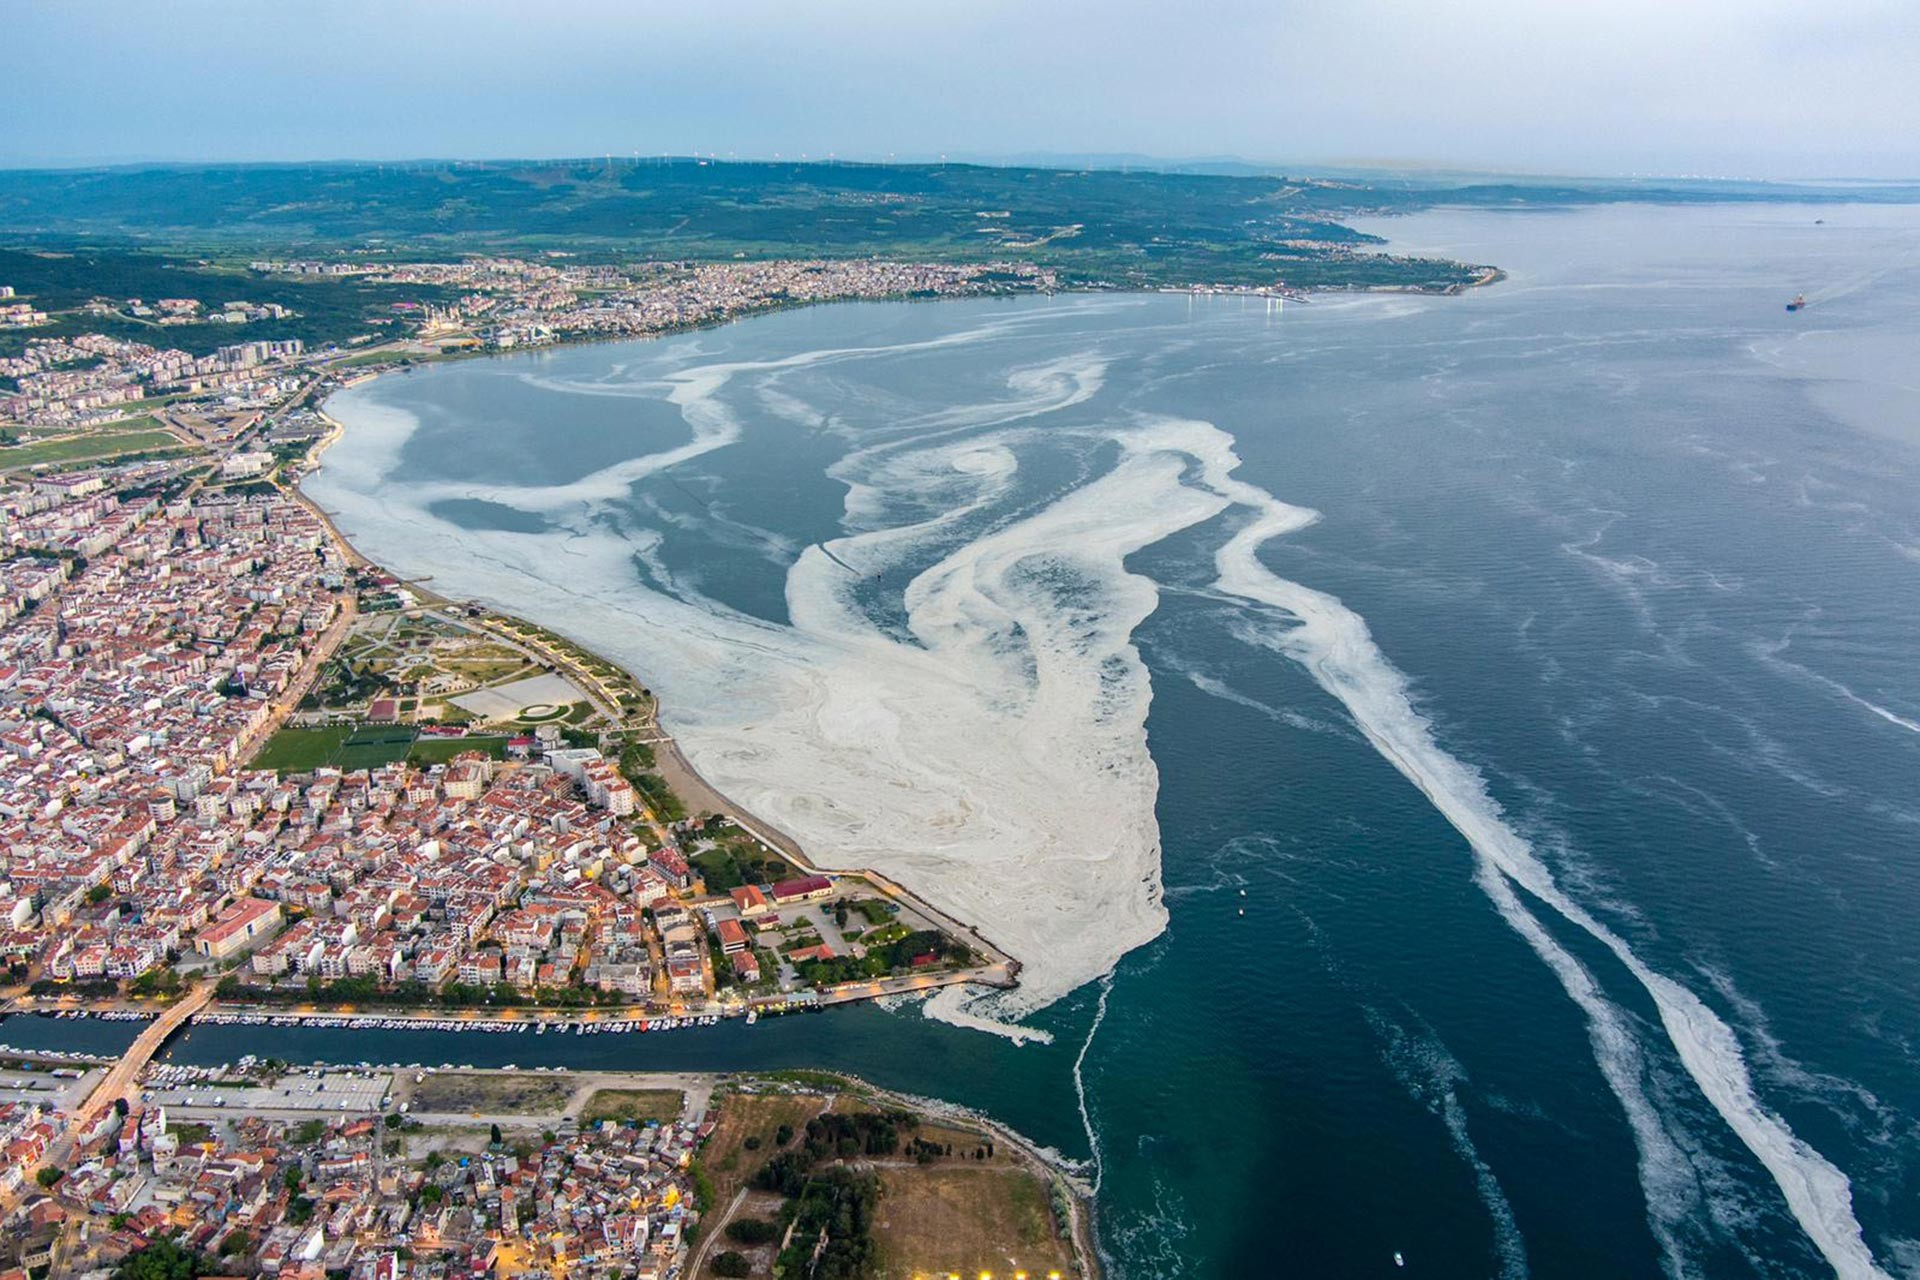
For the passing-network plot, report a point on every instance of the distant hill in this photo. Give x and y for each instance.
(1096, 225)
(1121, 226)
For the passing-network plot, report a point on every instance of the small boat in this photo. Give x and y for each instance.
(1243, 911)
(1799, 302)
(1398, 1261)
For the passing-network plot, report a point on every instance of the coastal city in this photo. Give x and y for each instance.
(952, 641)
(91, 395)
(388, 1172)
(249, 779)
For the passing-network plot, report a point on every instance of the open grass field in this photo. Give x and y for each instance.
(191, 1134)
(92, 447)
(438, 750)
(142, 422)
(504, 1093)
(370, 746)
(962, 1217)
(633, 1104)
(746, 1115)
(372, 357)
(296, 750)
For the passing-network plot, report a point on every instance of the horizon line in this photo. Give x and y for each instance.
(1104, 162)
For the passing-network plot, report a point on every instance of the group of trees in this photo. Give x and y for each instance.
(839, 1203)
(414, 994)
(833, 1136)
(163, 981)
(103, 988)
(636, 764)
(829, 1207)
(735, 858)
(752, 1231)
(162, 1260)
(883, 959)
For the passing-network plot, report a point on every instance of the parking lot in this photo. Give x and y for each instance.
(47, 1089)
(337, 1092)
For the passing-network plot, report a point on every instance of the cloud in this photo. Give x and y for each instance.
(1774, 87)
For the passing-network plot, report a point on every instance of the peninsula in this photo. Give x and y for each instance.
(269, 1167)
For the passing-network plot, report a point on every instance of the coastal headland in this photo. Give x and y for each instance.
(706, 1174)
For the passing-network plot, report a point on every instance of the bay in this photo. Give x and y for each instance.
(1528, 885)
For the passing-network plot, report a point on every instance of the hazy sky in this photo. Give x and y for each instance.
(1776, 88)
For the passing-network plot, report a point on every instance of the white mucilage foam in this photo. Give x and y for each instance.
(1333, 643)
(987, 746)
(992, 754)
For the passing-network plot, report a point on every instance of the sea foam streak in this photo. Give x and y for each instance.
(1334, 645)
(992, 755)
(991, 751)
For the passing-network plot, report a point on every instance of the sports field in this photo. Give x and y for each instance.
(367, 746)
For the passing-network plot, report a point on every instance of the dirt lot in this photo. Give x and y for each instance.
(633, 1104)
(967, 1217)
(516, 1094)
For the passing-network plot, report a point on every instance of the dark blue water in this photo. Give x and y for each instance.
(1645, 549)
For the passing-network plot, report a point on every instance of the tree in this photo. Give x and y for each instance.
(494, 1133)
(731, 1264)
(162, 1260)
(752, 1231)
(48, 1176)
(157, 982)
(236, 1243)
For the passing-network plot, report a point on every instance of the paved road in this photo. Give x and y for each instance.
(709, 1234)
(118, 1083)
(289, 700)
(122, 1076)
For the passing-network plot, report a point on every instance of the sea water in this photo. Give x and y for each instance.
(1450, 766)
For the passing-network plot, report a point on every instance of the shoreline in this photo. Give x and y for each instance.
(999, 971)
(1064, 1173)
(671, 763)
(1489, 275)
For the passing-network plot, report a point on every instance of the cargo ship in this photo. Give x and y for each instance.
(1799, 301)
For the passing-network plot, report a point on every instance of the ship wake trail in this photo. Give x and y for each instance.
(1432, 1076)
(1080, 1083)
(1334, 645)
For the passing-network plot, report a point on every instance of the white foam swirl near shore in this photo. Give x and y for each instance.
(992, 755)
(987, 745)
